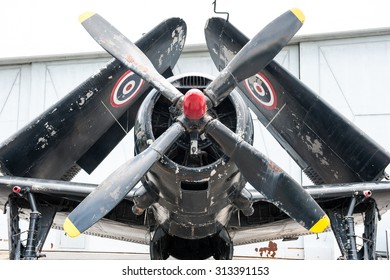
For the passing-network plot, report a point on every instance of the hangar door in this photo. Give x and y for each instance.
(353, 76)
(27, 90)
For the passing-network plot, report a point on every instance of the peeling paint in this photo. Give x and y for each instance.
(83, 99)
(50, 129)
(180, 39)
(161, 60)
(115, 194)
(315, 146)
(227, 54)
(42, 143)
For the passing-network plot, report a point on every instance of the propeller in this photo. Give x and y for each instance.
(113, 189)
(264, 175)
(115, 43)
(256, 54)
(269, 179)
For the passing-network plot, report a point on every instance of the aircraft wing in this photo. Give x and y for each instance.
(82, 128)
(335, 154)
(131, 228)
(327, 147)
(274, 225)
(243, 230)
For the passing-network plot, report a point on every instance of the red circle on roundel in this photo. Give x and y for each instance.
(125, 89)
(129, 87)
(258, 88)
(261, 90)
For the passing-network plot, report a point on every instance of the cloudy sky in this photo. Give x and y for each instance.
(45, 27)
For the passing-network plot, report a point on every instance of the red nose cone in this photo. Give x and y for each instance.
(194, 104)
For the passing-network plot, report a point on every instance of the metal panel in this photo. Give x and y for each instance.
(56, 79)
(264, 141)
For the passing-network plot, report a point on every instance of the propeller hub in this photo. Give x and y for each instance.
(194, 104)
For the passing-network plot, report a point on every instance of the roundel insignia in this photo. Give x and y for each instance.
(261, 90)
(126, 88)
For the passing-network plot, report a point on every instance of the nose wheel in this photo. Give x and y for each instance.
(218, 246)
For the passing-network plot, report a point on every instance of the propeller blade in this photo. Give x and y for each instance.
(296, 103)
(256, 54)
(116, 186)
(115, 43)
(269, 179)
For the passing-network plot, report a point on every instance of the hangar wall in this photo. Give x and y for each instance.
(349, 70)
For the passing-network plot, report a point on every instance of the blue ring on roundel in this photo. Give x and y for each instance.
(126, 88)
(261, 90)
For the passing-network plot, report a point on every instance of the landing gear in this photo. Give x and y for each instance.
(343, 226)
(40, 220)
(14, 243)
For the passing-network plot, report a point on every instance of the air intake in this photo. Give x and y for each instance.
(191, 81)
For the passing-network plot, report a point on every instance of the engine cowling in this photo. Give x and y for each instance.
(192, 195)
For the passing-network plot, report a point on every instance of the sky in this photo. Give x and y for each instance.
(47, 27)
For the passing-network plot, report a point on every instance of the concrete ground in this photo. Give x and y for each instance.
(70, 255)
(77, 255)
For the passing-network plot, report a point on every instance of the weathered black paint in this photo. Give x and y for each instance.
(326, 146)
(266, 177)
(254, 56)
(70, 131)
(115, 43)
(116, 186)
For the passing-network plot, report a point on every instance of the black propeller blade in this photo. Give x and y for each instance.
(269, 179)
(297, 103)
(115, 43)
(256, 54)
(262, 173)
(113, 189)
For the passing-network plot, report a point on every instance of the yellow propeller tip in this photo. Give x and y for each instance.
(70, 229)
(320, 225)
(298, 13)
(85, 16)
